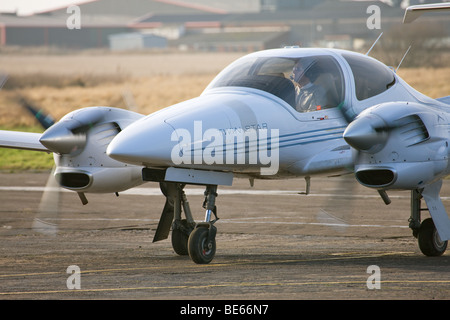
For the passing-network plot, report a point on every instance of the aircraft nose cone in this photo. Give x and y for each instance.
(366, 132)
(143, 144)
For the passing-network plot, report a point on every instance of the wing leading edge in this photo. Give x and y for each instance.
(413, 12)
(21, 140)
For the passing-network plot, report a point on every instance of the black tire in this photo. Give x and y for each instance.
(430, 243)
(201, 250)
(180, 236)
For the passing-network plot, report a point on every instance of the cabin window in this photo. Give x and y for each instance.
(371, 77)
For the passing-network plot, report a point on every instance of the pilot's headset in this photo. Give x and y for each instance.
(304, 66)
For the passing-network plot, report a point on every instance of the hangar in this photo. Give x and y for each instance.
(235, 25)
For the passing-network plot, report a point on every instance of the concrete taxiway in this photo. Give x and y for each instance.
(272, 243)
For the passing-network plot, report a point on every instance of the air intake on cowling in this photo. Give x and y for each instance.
(412, 130)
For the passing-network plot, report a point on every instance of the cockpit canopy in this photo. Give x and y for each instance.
(284, 77)
(308, 79)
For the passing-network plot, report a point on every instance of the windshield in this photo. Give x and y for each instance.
(307, 84)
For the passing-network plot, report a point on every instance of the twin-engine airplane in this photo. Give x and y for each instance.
(275, 114)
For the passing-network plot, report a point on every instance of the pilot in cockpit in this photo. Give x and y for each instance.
(309, 96)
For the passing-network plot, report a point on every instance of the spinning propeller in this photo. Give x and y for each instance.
(45, 221)
(404, 146)
(68, 136)
(78, 142)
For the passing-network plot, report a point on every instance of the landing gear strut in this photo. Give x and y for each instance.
(188, 238)
(202, 241)
(428, 238)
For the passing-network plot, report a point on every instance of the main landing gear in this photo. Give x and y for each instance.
(428, 238)
(198, 240)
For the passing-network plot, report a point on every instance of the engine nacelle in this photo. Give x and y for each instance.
(79, 143)
(399, 145)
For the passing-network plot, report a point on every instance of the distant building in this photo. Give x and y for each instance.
(136, 41)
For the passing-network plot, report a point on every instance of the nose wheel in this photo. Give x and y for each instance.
(202, 244)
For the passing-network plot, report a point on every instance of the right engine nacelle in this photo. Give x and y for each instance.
(399, 145)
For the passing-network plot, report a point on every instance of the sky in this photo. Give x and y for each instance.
(28, 7)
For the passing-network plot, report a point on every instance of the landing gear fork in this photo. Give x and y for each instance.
(202, 241)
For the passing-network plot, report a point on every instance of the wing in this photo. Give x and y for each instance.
(21, 140)
(413, 12)
(444, 100)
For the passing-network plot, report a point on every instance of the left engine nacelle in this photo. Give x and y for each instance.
(79, 141)
(399, 145)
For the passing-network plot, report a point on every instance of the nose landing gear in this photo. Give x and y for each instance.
(188, 238)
